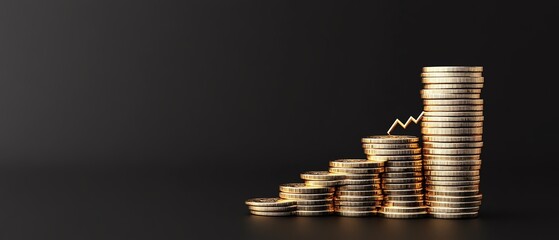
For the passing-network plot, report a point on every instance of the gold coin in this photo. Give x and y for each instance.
(303, 188)
(453, 69)
(454, 215)
(389, 139)
(404, 169)
(452, 193)
(453, 209)
(454, 114)
(454, 119)
(355, 163)
(314, 213)
(323, 201)
(358, 181)
(438, 198)
(390, 146)
(455, 204)
(451, 188)
(453, 108)
(362, 176)
(403, 192)
(315, 207)
(394, 158)
(323, 183)
(472, 138)
(273, 209)
(303, 196)
(273, 214)
(452, 183)
(453, 80)
(404, 203)
(450, 74)
(452, 168)
(452, 151)
(357, 213)
(359, 187)
(452, 145)
(452, 131)
(322, 176)
(401, 174)
(450, 95)
(417, 197)
(452, 173)
(453, 85)
(450, 91)
(402, 180)
(269, 202)
(358, 193)
(403, 163)
(357, 170)
(452, 157)
(392, 186)
(451, 178)
(359, 203)
(358, 198)
(451, 125)
(392, 152)
(403, 215)
(447, 102)
(355, 208)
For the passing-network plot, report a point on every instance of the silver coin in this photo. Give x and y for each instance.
(402, 180)
(451, 124)
(452, 183)
(452, 168)
(452, 85)
(454, 215)
(452, 178)
(449, 102)
(272, 214)
(273, 209)
(452, 173)
(454, 204)
(453, 69)
(439, 198)
(314, 213)
(454, 108)
(453, 145)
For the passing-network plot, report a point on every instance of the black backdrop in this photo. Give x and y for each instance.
(157, 119)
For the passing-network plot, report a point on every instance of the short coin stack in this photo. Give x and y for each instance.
(359, 194)
(271, 207)
(402, 177)
(452, 130)
(311, 200)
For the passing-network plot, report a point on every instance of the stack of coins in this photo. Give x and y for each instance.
(271, 207)
(452, 130)
(402, 181)
(359, 194)
(315, 196)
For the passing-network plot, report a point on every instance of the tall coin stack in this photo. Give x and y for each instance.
(359, 194)
(452, 130)
(402, 178)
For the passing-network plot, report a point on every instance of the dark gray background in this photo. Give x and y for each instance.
(157, 119)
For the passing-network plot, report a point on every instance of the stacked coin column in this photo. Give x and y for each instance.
(359, 194)
(402, 178)
(452, 130)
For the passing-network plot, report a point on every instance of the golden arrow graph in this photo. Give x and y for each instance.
(404, 125)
